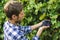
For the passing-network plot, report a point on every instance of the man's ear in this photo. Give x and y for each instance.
(14, 16)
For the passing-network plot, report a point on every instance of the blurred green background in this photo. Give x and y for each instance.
(36, 11)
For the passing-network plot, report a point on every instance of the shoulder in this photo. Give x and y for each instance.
(5, 23)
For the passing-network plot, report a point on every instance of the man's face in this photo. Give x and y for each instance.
(18, 18)
(21, 16)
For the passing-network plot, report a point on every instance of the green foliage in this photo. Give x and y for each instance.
(36, 11)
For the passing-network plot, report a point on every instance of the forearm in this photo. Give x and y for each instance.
(38, 34)
(40, 31)
(36, 26)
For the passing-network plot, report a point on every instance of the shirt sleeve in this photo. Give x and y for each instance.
(13, 34)
(36, 38)
(26, 29)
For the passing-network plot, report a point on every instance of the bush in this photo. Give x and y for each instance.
(36, 11)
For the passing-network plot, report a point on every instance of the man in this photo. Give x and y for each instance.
(13, 31)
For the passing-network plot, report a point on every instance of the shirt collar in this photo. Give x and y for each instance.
(10, 24)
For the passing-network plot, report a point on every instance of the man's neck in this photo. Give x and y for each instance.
(12, 22)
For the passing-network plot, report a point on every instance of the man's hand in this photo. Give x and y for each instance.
(46, 23)
(45, 27)
(41, 29)
(42, 23)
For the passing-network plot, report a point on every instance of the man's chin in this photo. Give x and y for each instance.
(18, 22)
(21, 20)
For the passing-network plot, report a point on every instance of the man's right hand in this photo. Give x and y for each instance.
(46, 23)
